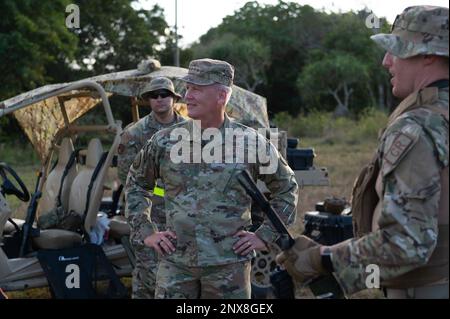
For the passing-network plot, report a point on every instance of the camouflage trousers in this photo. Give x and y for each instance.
(230, 281)
(144, 272)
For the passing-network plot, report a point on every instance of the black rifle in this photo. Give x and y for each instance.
(281, 281)
(31, 215)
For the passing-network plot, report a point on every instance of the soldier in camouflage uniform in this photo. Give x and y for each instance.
(205, 247)
(161, 95)
(400, 200)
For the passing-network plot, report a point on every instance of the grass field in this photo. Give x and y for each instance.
(337, 148)
(343, 162)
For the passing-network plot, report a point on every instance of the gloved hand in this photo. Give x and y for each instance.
(303, 260)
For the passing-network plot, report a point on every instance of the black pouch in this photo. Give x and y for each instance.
(82, 272)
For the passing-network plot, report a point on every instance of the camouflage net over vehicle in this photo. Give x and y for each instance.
(43, 120)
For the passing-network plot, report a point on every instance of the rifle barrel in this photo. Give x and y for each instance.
(252, 190)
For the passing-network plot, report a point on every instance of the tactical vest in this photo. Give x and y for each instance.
(365, 200)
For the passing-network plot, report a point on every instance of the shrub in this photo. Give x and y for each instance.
(331, 130)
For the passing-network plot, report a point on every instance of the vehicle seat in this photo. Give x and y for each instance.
(10, 228)
(96, 195)
(59, 238)
(56, 239)
(5, 213)
(79, 189)
(119, 227)
(53, 183)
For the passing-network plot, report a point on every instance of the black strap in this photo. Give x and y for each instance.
(69, 165)
(115, 200)
(16, 227)
(54, 165)
(91, 183)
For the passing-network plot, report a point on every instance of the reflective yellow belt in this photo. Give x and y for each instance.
(158, 191)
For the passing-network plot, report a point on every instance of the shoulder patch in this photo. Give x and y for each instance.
(400, 144)
(125, 137)
(397, 146)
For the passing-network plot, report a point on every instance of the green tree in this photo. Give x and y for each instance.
(349, 34)
(335, 74)
(33, 38)
(292, 33)
(167, 55)
(36, 47)
(249, 56)
(114, 36)
(288, 31)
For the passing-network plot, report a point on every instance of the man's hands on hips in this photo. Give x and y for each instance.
(247, 242)
(160, 241)
(303, 260)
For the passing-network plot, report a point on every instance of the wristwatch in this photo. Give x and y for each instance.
(326, 260)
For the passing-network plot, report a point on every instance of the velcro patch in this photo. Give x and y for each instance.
(400, 144)
(125, 137)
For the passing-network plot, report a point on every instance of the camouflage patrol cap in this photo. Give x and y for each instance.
(160, 83)
(209, 71)
(417, 30)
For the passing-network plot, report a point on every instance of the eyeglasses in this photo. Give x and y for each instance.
(155, 94)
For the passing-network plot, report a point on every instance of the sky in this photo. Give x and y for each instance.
(196, 17)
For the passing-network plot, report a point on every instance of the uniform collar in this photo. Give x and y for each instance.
(423, 96)
(226, 124)
(154, 124)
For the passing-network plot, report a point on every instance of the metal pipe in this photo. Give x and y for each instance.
(90, 128)
(177, 50)
(74, 86)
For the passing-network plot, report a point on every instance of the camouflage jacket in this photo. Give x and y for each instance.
(412, 153)
(133, 139)
(204, 203)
